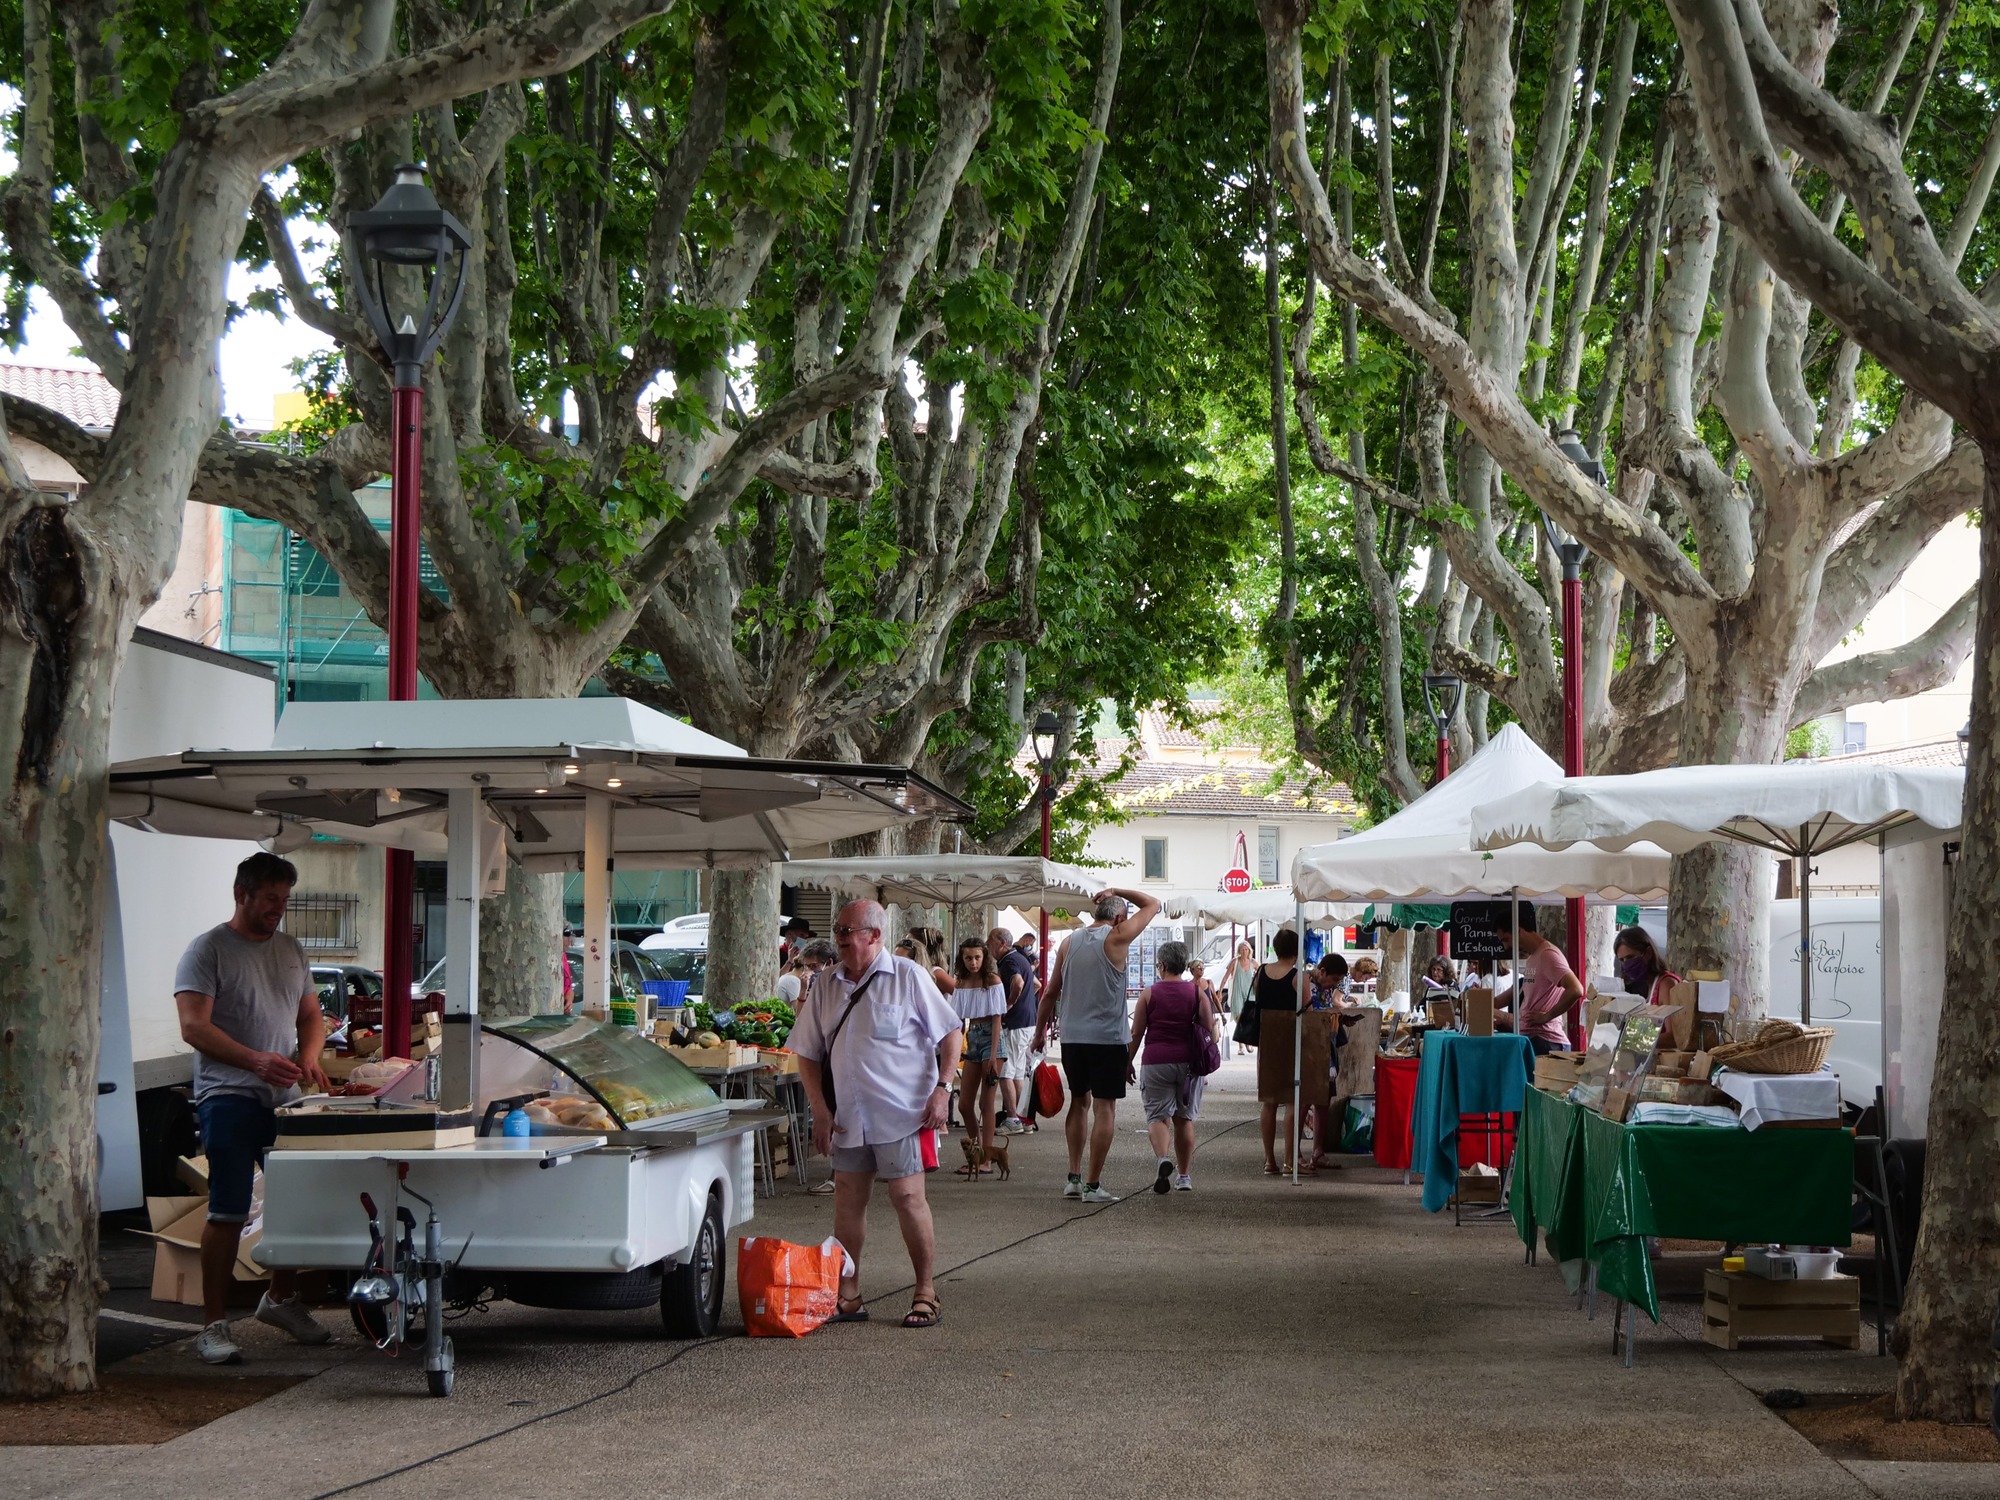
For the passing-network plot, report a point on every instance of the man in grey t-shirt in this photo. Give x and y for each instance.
(248, 1008)
(1087, 986)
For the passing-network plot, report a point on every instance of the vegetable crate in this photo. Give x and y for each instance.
(1739, 1306)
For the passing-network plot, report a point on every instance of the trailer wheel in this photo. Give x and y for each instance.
(440, 1380)
(691, 1295)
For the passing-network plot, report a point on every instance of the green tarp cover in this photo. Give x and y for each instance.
(1600, 1188)
(1407, 914)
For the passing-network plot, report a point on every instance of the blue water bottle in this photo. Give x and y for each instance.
(515, 1126)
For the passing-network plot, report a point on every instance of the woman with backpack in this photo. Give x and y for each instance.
(1175, 1024)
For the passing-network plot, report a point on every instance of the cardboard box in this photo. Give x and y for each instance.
(1478, 1007)
(1558, 1072)
(177, 1225)
(1439, 1012)
(1478, 1187)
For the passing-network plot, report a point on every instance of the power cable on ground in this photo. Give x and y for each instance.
(686, 1349)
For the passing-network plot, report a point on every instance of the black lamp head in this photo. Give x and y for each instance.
(408, 227)
(1443, 693)
(1572, 446)
(1044, 738)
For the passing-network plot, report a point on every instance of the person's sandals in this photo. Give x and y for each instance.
(924, 1313)
(820, 1189)
(1271, 1169)
(842, 1313)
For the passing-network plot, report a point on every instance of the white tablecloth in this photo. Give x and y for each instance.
(1764, 1098)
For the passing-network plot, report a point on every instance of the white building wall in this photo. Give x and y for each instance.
(1200, 847)
(1942, 573)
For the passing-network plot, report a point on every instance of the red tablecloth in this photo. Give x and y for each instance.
(1395, 1102)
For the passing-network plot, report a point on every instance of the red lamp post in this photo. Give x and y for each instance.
(1572, 553)
(1043, 738)
(1444, 692)
(407, 228)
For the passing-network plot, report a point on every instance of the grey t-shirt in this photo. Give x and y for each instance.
(256, 988)
(1092, 1002)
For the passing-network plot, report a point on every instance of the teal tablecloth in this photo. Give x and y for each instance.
(1600, 1188)
(1462, 1075)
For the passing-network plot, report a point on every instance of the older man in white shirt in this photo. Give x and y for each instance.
(878, 1027)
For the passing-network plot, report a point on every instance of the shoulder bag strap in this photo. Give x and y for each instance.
(852, 1001)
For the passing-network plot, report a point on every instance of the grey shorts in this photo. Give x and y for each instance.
(888, 1160)
(1169, 1093)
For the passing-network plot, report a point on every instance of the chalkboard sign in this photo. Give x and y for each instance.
(1482, 929)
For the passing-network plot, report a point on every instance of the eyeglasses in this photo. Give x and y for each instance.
(848, 932)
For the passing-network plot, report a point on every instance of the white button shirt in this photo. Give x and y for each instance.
(885, 1058)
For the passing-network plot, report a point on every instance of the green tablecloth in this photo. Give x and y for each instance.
(1600, 1188)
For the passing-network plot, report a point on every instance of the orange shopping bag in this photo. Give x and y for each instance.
(785, 1290)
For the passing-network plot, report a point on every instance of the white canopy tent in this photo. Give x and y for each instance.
(559, 784)
(1426, 850)
(1800, 810)
(950, 880)
(1273, 903)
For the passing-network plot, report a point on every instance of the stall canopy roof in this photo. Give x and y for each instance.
(949, 879)
(1804, 807)
(1426, 849)
(378, 773)
(1271, 903)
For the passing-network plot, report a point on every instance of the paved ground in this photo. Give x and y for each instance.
(1248, 1338)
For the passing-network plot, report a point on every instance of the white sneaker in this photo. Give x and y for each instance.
(291, 1315)
(1098, 1195)
(1012, 1126)
(1183, 1184)
(1073, 1188)
(215, 1346)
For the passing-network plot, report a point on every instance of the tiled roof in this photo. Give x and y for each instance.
(82, 395)
(1929, 753)
(1179, 788)
(1157, 729)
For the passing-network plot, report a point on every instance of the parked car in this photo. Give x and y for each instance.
(635, 964)
(340, 986)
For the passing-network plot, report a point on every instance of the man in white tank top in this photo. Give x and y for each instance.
(1087, 988)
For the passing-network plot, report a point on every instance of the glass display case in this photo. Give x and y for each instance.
(637, 1082)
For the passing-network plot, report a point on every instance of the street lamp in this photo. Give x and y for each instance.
(1043, 738)
(1572, 553)
(1443, 693)
(407, 231)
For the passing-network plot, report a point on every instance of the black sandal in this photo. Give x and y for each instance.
(925, 1312)
(842, 1315)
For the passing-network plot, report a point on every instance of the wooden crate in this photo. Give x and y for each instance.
(1738, 1306)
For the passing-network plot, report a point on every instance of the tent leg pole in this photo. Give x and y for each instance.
(1805, 929)
(598, 960)
(1298, 1038)
(458, 1088)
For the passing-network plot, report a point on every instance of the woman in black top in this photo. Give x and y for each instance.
(1275, 993)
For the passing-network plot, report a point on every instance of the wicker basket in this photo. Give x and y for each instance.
(1779, 1047)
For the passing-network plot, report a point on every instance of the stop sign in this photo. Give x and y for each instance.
(1236, 881)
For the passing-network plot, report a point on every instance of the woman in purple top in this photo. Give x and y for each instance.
(1164, 1024)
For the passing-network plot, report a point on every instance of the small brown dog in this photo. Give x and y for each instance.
(977, 1157)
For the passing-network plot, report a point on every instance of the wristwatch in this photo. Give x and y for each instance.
(946, 1087)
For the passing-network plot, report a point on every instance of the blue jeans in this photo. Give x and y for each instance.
(235, 1132)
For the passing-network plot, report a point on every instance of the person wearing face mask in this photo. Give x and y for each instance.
(1641, 967)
